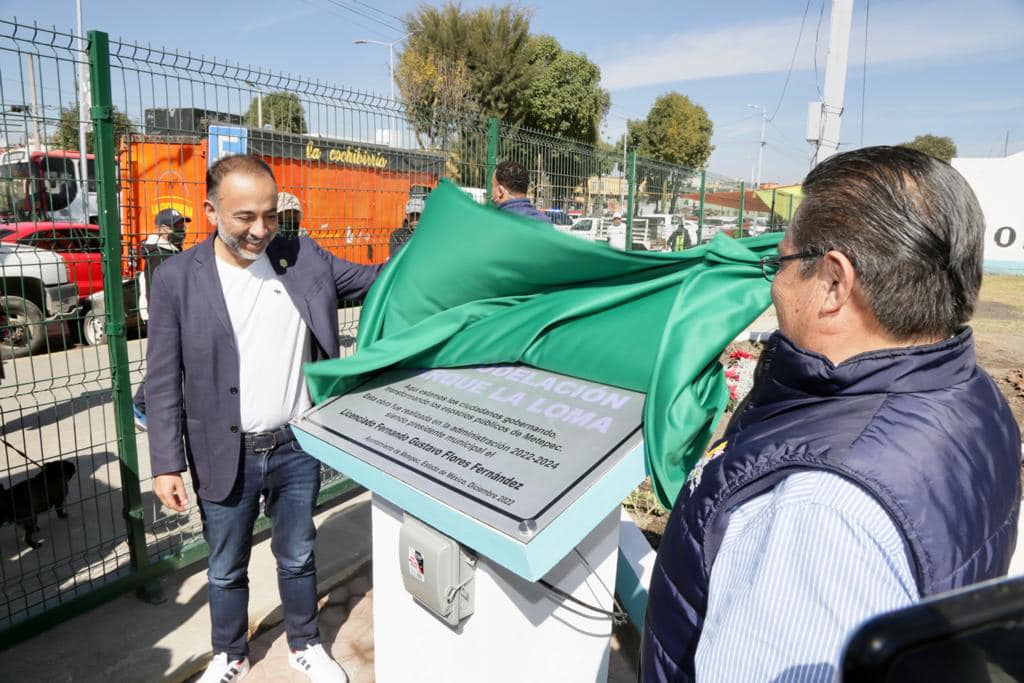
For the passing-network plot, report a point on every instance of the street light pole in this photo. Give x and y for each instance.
(391, 55)
(259, 104)
(760, 149)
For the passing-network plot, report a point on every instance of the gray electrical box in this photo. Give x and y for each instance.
(436, 570)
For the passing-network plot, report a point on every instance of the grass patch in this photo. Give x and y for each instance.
(1004, 289)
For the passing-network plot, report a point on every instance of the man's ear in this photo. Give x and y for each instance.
(839, 276)
(211, 212)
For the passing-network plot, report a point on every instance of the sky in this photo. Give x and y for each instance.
(945, 67)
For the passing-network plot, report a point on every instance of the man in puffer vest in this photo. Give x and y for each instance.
(873, 463)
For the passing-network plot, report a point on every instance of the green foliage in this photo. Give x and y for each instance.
(492, 43)
(565, 98)
(676, 131)
(282, 111)
(66, 135)
(484, 61)
(938, 146)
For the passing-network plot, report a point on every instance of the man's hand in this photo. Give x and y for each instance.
(170, 489)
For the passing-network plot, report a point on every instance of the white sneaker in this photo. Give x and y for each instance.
(223, 671)
(318, 665)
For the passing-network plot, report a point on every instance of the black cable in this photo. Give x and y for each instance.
(338, 3)
(617, 615)
(792, 61)
(379, 11)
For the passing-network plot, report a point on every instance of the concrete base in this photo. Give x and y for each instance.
(520, 630)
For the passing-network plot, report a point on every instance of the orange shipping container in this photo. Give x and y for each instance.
(352, 194)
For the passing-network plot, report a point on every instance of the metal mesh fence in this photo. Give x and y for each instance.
(55, 398)
(355, 165)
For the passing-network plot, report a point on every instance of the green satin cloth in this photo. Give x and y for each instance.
(477, 286)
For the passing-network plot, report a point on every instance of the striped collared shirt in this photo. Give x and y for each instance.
(798, 569)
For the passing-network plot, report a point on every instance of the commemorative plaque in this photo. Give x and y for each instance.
(511, 446)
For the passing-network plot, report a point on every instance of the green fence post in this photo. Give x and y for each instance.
(113, 292)
(739, 221)
(492, 152)
(631, 186)
(700, 209)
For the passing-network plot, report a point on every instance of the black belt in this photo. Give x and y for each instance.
(264, 442)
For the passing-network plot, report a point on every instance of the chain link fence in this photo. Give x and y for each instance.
(74, 244)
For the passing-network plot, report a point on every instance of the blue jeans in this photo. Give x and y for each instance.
(289, 478)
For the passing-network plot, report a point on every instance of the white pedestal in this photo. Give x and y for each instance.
(520, 631)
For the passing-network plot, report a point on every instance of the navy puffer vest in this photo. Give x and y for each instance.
(923, 430)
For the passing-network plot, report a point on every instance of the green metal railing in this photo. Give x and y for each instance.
(354, 160)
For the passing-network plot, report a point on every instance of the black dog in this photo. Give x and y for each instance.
(22, 502)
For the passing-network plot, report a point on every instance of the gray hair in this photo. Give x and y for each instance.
(912, 228)
(235, 163)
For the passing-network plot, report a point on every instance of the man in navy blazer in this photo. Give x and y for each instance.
(232, 320)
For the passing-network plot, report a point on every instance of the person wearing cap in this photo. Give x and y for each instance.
(617, 232)
(158, 247)
(289, 216)
(509, 185)
(413, 209)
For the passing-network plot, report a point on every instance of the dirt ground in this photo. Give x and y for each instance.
(999, 340)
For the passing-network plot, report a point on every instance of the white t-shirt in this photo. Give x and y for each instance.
(617, 236)
(272, 341)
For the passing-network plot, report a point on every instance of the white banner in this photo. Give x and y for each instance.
(997, 183)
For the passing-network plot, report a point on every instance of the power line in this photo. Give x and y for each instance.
(373, 30)
(379, 11)
(364, 15)
(781, 133)
(817, 34)
(864, 76)
(792, 61)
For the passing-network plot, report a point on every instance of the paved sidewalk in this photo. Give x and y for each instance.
(346, 626)
(127, 640)
(130, 641)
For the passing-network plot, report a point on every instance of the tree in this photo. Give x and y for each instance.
(66, 135)
(676, 131)
(282, 111)
(493, 44)
(938, 146)
(565, 98)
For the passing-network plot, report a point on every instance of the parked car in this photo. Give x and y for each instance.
(94, 313)
(558, 217)
(79, 245)
(666, 223)
(594, 229)
(37, 297)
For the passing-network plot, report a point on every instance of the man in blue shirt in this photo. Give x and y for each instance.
(508, 191)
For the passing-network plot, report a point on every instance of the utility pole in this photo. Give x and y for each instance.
(83, 116)
(37, 139)
(622, 175)
(1006, 143)
(824, 118)
(391, 55)
(760, 149)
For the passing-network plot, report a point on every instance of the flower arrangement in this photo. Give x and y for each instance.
(739, 376)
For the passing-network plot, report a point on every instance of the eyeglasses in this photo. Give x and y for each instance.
(771, 265)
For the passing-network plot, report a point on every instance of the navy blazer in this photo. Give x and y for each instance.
(193, 411)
